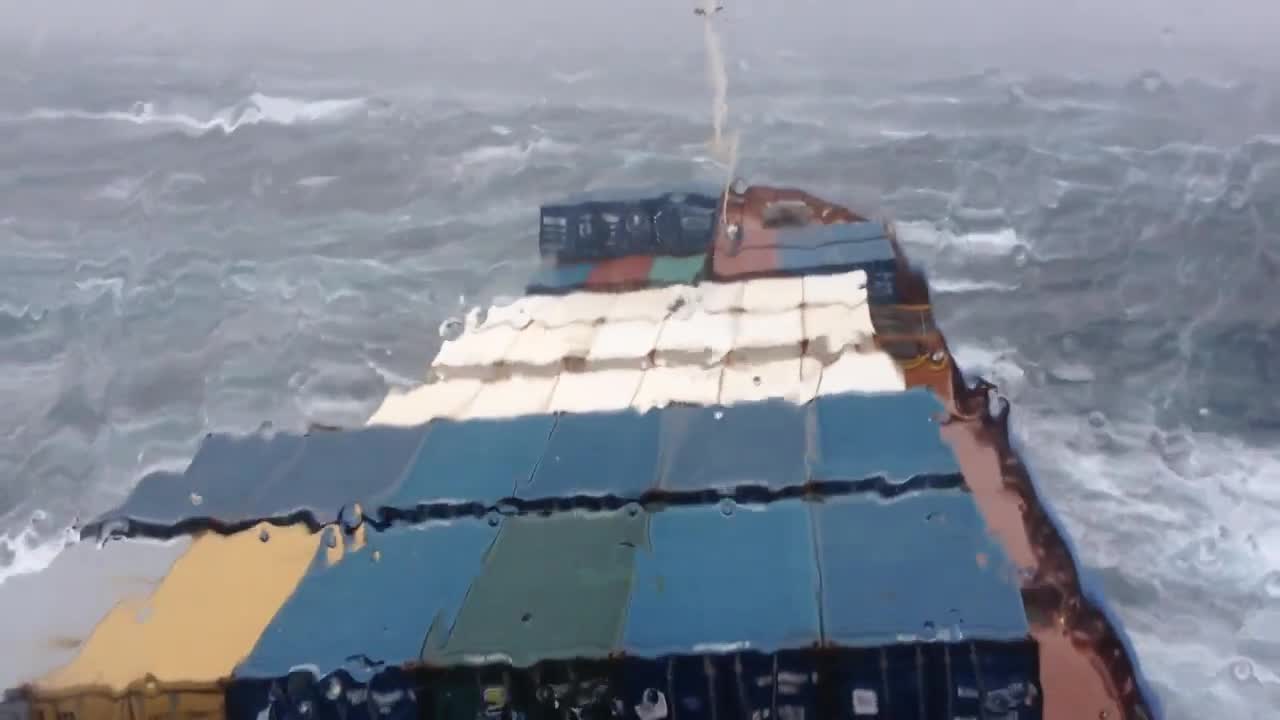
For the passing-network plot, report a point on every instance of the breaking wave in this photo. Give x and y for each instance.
(29, 552)
(257, 109)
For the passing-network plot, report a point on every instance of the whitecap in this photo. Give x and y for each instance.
(961, 285)
(999, 242)
(512, 157)
(316, 181)
(903, 134)
(258, 108)
(31, 553)
(572, 78)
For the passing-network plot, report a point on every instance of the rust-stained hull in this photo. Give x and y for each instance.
(1087, 668)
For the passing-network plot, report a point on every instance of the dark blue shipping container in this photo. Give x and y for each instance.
(599, 229)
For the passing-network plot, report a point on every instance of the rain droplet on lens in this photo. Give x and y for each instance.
(1070, 343)
(727, 507)
(930, 630)
(334, 688)
(451, 329)
(1242, 670)
(263, 535)
(331, 538)
(197, 499)
(1237, 197)
(1097, 419)
(1271, 585)
(718, 414)
(493, 519)
(1021, 256)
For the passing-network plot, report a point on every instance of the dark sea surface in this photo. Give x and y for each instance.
(208, 242)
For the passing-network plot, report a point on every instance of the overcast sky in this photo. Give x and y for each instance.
(1062, 32)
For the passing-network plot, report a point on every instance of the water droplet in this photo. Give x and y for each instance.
(1070, 343)
(493, 519)
(727, 507)
(1237, 197)
(633, 509)
(355, 519)
(1204, 412)
(377, 556)
(739, 186)
(1207, 552)
(115, 528)
(719, 414)
(334, 689)
(304, 708)
(197, 499)
(1097, 419)
(1103, 715)
(930, 630)
(331, 538)
(1037, 376)
(937, 357)
(732, 230)
(1271, 585)
(1168, 34)
(1021, 256)
(934, 517)
(451, 329)
(1152, 82)
(526, 617)
(151, 686)
(264, 535)
(1242, 670)
(756, 381)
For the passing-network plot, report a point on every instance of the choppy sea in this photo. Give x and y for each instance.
(190, 245)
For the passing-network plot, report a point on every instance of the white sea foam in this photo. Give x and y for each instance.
(1208, 497)
(988, 244)
(508, 158)
(257, 109)
(947, 286)
(31, 553)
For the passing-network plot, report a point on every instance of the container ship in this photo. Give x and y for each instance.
(718, 462)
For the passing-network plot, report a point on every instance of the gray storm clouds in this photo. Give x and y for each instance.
(1063, 27)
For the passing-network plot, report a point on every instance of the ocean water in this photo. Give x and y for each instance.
(207, 243)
